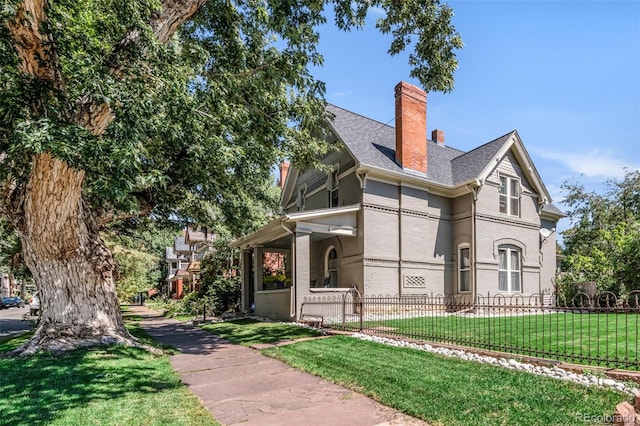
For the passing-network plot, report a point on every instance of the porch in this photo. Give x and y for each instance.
(294, 256)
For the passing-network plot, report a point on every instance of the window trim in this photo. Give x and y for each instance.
(508, 194)
(509, 249)
(460, 270)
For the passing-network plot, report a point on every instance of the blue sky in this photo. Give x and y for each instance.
(564, 74)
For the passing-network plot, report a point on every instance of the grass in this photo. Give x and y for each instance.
(610, 339)
(183, 317)
(448, 391)
(110, 385)
(249, 332)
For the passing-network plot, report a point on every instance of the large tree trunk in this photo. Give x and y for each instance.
(70, 263)
(62, 247)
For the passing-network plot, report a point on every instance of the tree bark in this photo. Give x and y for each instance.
(62, 247)
(70, 263)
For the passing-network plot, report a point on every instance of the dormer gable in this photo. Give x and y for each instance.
(300, 184)
(513, 154)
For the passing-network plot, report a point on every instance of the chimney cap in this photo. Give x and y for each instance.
(408, 89)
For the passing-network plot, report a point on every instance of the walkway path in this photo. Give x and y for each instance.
(240, 386)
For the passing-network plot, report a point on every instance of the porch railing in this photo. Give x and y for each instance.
(599, 329)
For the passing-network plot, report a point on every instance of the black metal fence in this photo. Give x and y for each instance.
(599, 329)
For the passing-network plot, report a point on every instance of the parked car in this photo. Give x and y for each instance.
(12, 302)
(34, 305)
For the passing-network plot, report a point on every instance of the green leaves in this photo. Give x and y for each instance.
(424, 26)
(602, 245)
(195, 124)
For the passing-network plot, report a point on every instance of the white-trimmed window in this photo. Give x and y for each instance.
(333, 187)
(510, 195)
(331, 268)
(509, 271)
(464, 269)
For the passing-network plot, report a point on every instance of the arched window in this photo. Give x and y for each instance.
(331, 268)
(509, 270)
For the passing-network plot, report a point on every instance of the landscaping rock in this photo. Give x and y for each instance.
(555, 372)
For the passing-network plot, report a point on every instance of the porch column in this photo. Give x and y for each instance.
(302, 252)
(257, 268)
(246, 295)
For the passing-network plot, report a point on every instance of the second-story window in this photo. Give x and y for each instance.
(333, 188)
(509, 196)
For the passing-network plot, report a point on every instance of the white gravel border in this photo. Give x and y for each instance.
(513, 364)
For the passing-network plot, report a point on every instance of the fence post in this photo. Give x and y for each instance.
(204, 312)
(344, 310)
(361, 313)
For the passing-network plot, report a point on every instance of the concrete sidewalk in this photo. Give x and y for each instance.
(240, 386)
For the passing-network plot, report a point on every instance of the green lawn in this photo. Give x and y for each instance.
(448, 391)
(248, 331)
(608, 339)
(113, 385)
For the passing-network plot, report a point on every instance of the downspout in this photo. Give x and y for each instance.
(474, 191)
(541, 204)
(543, 240)
(400, 238)
(292, 298)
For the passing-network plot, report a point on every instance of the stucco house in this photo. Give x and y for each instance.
(403, 214)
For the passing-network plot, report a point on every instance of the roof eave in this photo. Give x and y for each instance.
(434, 187)
(545, 214)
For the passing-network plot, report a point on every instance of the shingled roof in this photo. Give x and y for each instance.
(373, 144)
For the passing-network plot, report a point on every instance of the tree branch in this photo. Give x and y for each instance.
(174, 13)
(37, 56)
(164, 25)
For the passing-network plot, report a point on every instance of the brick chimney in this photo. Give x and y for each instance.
(438, 136)
(411, 127)
(284, 170)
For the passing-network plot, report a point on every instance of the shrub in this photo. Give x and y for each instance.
(223, 295)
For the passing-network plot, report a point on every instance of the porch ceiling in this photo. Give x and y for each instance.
(334, 221)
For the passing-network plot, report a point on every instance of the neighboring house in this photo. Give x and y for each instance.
(177, 258)
(183, 261)
(200, 243)
(401, 214)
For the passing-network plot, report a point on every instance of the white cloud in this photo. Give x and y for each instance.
(340, 94)
(555, 192)
(592, 163)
